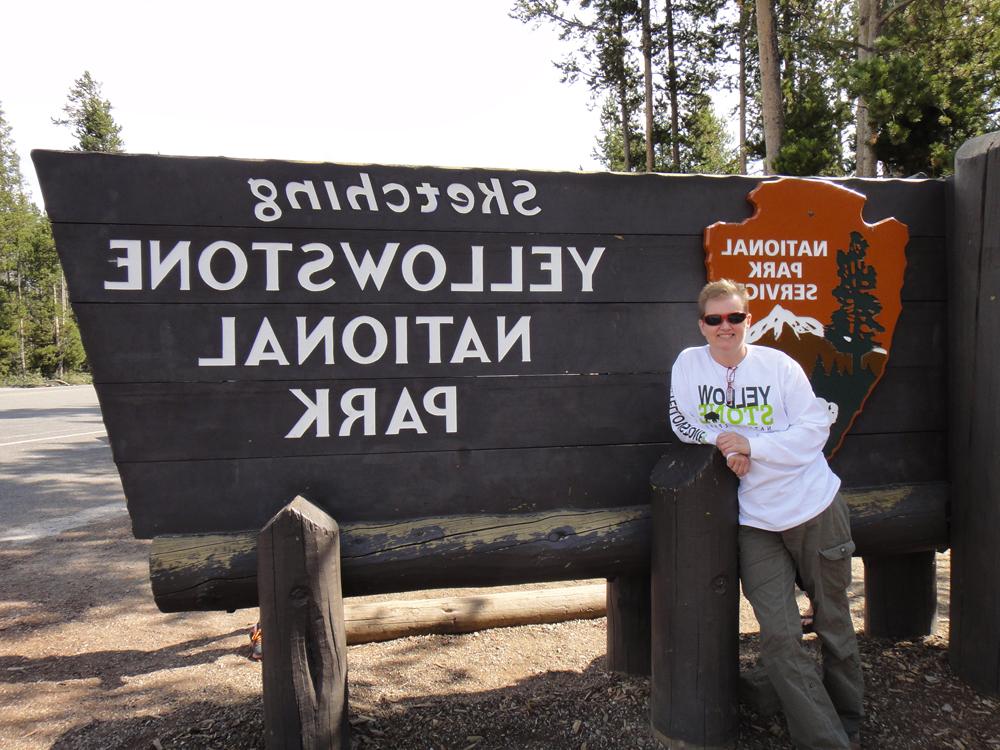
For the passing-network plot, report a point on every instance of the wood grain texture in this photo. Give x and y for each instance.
(383, 621)
(110, 188)
(629, 623)
(974, 406)
(256, 420)
(695, 600)
(900, 595)
(632, 267)
(302, 616)
(182, 497)
(218, 571)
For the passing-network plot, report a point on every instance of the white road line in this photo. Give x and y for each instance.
(54, 437)
(53, 526)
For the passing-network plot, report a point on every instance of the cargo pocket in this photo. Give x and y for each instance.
(836, 565)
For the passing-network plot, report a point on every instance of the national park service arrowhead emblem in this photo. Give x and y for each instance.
(824, 286)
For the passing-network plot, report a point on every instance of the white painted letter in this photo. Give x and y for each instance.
(314, 266)
(381, 340)
(131, 262)
(158, 269)
(239, 266)
(506, 339)
(309, 341)
(271, 250)
(439, 267)
(317, 411)
(405, 416)
(352, 414)
(228, 358)
(448, 410)
(587, 269)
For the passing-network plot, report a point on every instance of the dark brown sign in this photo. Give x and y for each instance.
(398, 342)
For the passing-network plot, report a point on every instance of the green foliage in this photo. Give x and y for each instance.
(811, 145)
(88, 115)
(38, 334)
(932, 84)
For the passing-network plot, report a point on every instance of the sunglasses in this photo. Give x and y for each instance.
(735, 318)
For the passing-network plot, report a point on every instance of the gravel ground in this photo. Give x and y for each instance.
(86, 661)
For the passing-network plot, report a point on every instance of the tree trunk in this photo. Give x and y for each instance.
(623, 101)
(675, 145)
(626, 141)
(770, 83)
(56, 321)
(647, 73)
(20, 326)
(743, 86)
(867, 33)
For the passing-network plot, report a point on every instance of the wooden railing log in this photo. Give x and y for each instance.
(195, 572)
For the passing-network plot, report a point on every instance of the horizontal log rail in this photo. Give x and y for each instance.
(368, 622)
(195, 572)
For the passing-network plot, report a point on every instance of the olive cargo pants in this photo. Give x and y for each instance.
(820, 714)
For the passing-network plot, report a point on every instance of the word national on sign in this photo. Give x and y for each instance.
(224, 265)
(366, 340)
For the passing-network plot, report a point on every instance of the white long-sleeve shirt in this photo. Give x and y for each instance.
(774, 407)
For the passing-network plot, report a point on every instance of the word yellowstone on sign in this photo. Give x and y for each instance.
(224, 265)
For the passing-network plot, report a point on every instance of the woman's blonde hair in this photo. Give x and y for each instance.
(722, 288)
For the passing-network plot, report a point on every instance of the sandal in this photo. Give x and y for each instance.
(256, 643)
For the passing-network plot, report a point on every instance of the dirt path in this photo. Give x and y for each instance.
(86, 661)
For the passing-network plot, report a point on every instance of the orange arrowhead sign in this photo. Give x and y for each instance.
(824, 286)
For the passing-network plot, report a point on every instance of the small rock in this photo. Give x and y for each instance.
(947, 708)
(576, 726)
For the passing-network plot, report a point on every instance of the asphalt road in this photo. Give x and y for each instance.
(56, 471)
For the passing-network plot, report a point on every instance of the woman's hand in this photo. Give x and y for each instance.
(732, 442)
(738, 463)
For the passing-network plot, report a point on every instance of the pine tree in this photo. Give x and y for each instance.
(853, 326)
(88, 115)
(931, 81)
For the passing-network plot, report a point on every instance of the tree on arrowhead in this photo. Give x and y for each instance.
(853, 326)
(88, 115)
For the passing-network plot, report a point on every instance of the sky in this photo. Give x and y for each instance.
(427, 82)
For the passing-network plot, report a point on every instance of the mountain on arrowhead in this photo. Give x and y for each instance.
(778, 320)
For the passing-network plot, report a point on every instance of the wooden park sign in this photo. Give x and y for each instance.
(465, 369)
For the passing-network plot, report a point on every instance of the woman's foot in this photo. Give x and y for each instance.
(807, 620)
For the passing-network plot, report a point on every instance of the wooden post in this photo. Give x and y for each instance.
(305, 643)
(900, 595)
(695, 600)
(629, 624)
(974, 412)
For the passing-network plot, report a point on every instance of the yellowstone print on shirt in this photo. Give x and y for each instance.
(824, 288)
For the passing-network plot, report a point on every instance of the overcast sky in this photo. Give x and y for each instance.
(441, 82)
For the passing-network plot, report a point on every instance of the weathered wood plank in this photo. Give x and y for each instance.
(383, 621)
(168, 497)
(157, 343)
(302, 616)
(211, 421)
(631, 268)
(217, 571)
(93, 188)
(974, 405)
(179, 497)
